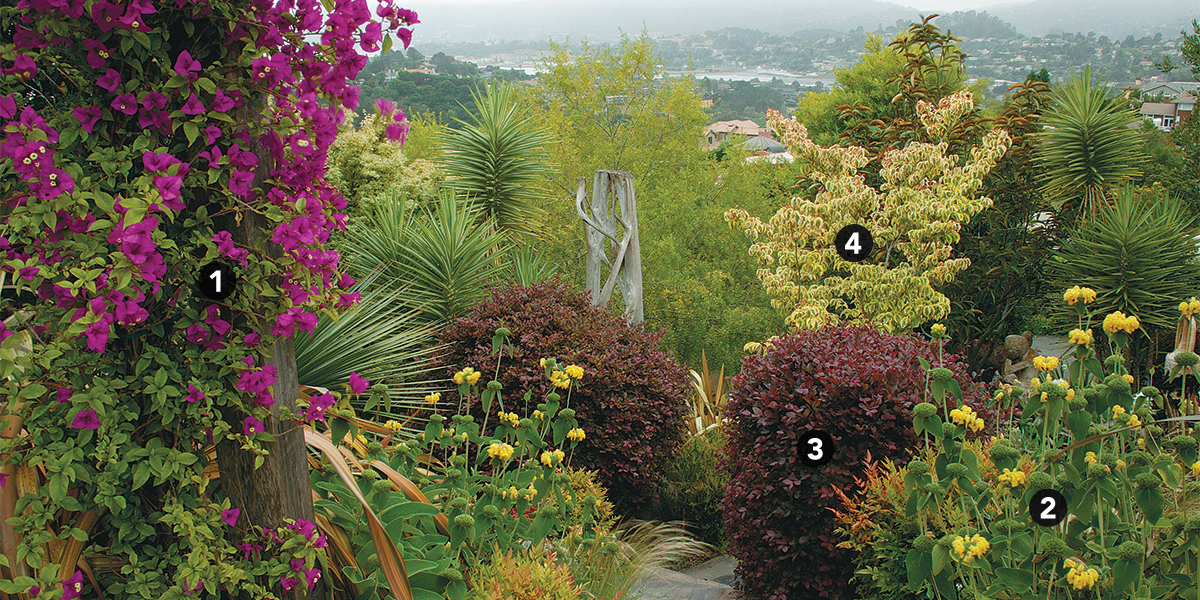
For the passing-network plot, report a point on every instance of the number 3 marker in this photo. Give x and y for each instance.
(816, 448)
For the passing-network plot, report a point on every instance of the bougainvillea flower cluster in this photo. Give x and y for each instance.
(142, 141)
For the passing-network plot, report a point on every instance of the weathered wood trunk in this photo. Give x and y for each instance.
(280, 488)
(613, 204)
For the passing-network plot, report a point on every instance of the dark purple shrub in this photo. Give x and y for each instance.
(855, 383)
(633, 396)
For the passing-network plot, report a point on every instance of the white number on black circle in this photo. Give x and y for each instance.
(1048, 513)
(816, 453)
(216, 276)
(853, 245)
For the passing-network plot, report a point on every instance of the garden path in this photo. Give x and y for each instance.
(707, 581)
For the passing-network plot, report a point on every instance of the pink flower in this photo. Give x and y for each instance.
(409, 17)
(405, 36)
(320, 542)
(248, 548)
(187, 66)
(73, 587)
(397, 132)
(222, 103)
(228, 250)
(88, 117)
(158, 161)
(240, 182)
(193, 106)
(191, 590)
(194, 394)
(125, 103)
(86, 419)
(311, 576)
(23, 67)
(64, 395)
(230, 516)
(154, 101)
(109, 81)
(211, 133)
(371, 36)
(288, 583)
(97, 53)
(252, 339)
(297, 564)
(169, 187)
(251, 426)
(3, 479)
(8, 106)
(358, 385)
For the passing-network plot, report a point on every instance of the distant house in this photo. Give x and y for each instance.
(1166, 115)
(1170, 89)
(719, 132)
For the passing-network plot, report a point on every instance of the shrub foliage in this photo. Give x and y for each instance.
(633, 398)
(856, 383)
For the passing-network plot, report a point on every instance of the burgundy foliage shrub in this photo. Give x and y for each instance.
(633, 396)
(855, 383)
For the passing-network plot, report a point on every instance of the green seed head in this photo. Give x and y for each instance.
(924, 410)
(1131, 550)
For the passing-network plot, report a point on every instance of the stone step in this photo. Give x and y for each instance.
(706, 581)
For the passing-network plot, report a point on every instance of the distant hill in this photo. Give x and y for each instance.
(969, 24)
(1113, 18)
(603, 20)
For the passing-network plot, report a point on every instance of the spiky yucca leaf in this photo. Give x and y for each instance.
(441, 258)
(498, 160)
(1087, 148)
(377, 339)
(1139, 255)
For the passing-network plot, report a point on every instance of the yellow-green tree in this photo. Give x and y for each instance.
(915, 217)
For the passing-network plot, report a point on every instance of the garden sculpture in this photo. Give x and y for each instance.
(612, 191)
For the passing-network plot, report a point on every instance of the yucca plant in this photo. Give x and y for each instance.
(498, 160)
(378, 339)
(1087, 147)
(442, 258)
(527, 266)
(1138, 254)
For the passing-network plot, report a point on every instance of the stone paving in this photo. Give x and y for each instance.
(707, 581)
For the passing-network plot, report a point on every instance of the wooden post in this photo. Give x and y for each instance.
(612, 191)
(281, 487)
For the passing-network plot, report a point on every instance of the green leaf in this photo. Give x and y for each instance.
(1078, 422)
(1017, 580)
(1124, 573)
(408, 510)
(387, 43)
(941, 558)
(207, 85)
(1094, 367)
(191, 131)
(486, 398)
(952, 385)
(919, 565)
(542, 524)
(339, 427)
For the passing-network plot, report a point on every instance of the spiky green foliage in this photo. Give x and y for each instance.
(498, 160)
(1087, 150)
(441, 258)
(377, 339)
(1138, 254)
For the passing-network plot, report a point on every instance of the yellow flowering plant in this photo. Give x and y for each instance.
(1093, 438)
(503, 482)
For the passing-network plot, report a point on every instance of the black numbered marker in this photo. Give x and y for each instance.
(216, 280)
(854, 243)
(1048, 508)
(816, 448)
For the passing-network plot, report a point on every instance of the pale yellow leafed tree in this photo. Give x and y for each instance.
(915, 217)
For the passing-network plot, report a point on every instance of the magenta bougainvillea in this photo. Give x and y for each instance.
(139, 136)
